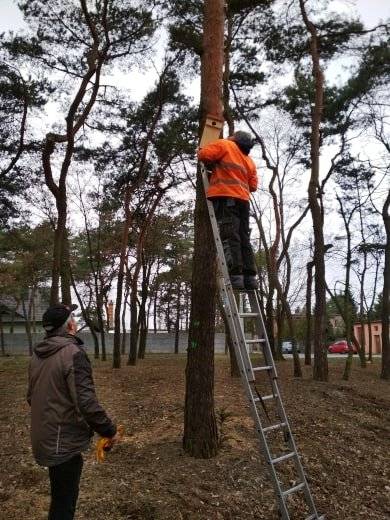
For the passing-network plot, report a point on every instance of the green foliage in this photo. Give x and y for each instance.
(376, 313)
(18, 97)
(25, 259)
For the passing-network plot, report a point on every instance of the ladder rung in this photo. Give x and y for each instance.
(264, 398)
(274, 427)
(259, 369)
(249, 315)
(298, 487)
(284, 457)
(258, 340)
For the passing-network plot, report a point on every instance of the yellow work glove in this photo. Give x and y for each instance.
(104, 444)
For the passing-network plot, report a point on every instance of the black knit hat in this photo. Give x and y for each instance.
(56, 315)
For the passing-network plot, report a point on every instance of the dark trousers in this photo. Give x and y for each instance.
(64, 484)
(233, 220)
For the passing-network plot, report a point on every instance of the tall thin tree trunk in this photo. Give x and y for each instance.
(320, 370)
(65, 268)
(116, 361)
(177, 321)
(200, 437)
(143, 336)
(84, 312)
(27, 325)
(123, 335)
(134, 323)
(155, 299)
(369, 326)
(2, 342)
(385, 373)
(58, 248)
(308, 339)
(234, 369)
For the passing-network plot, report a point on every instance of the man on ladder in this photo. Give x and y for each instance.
(233, 178)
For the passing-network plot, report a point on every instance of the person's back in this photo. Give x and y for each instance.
(233, 178)
(58, 430)
(234, 172)
(64, 408)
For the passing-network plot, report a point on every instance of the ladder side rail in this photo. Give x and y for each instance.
(253, 298)
(257, 420)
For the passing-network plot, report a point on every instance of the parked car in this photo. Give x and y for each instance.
(287, 347)
(340, 347)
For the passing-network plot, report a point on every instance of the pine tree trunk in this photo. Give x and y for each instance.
(200, 437)
(143, 336)
(320, 369)
(27, 325)
(234, 369)
(86, 317)
(134, 323)
(369, 325)
(177, 321)
(155, 299)
(116, 361)
(2, 342)
(59, 234)
(385, 373)
(308, 339)
(229, 347)
(143, 312)
(65, 269)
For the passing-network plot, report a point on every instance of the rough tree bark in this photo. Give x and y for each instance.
(177, 319)
(385, 373)
(200, 437)
(308, 338)
(320, 369)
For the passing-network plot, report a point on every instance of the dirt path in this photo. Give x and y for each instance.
(342, 431)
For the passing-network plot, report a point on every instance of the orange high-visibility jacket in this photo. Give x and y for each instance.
(234, 174)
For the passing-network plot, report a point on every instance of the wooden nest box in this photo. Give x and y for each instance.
(211, 131)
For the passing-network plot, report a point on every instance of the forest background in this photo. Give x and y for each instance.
(107, 213)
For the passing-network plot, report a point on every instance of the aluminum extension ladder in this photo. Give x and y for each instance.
(266, 427)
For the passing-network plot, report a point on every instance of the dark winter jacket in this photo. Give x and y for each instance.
(64, 408)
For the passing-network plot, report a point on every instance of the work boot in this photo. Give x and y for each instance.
(237, 281)
(250, 282)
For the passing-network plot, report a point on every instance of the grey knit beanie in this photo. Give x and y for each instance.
(244, 141)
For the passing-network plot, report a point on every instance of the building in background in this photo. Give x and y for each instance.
(14, 313)
(375, 330)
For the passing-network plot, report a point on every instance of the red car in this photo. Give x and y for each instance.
(340, 347)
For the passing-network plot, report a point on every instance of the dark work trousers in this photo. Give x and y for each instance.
(64, 483)
(233, 220)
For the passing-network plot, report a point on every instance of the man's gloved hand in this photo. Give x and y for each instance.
(105, 444)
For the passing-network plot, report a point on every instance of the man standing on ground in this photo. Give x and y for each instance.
(64, 408)
(232, 180)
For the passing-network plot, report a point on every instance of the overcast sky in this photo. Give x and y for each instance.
(371, 11)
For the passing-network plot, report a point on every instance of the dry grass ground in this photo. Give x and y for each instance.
(342, 430)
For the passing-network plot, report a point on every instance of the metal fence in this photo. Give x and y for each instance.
(162, 342)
